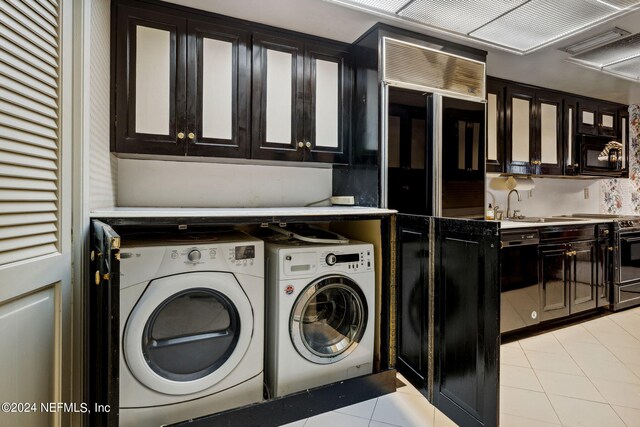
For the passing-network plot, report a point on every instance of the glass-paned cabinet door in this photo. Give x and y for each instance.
(520, 131)
(219, 90)
(278, 94)
(495, 126)
(150, 113)
(549, 150)
(327, 103)
(520, 141)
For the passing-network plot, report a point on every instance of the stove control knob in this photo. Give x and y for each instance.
(331, 259)
(194, 255)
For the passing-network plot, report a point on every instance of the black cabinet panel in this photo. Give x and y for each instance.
(303, 143)
(597, 118)
(549, 142)
(237, 143)
(319, 152)
(583, 276)
(495, 88)
(554, 295)
(520, 129)
(413, 298)
(102, 327)
(466, 330)
(262, 147)
(128, 136)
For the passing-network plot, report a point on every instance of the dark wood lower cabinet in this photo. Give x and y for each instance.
(412, 298)
(554, 296)
(582, 276)
(466, 321)
(568, 279)
(448, 304)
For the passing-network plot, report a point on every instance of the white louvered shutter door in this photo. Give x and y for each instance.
(29, 129)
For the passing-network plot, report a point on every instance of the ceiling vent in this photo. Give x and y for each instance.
(620, 58)
(595, 41)
(518, 26)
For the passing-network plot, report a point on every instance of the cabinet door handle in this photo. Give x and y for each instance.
(181, 135)
(300, 144)
(308, 145)
(575, 165)
(192, 136)
(610, 248)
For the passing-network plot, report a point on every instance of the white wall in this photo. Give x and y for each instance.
(102, 165)
(156, 183)
(551, 196)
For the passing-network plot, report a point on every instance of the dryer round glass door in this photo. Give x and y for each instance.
(187, 332)
(328, 319)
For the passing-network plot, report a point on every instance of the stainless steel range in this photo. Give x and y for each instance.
(625, 251)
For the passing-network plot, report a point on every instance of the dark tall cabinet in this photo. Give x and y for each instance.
(466, 321)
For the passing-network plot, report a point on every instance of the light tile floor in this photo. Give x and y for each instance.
(582, 375)
(579, 376)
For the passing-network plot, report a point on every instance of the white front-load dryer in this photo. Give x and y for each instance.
(191, 327)
(320, 314)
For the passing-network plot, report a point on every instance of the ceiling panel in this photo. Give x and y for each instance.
(541, 21)
(462, 16)
(627, 47)
(629, 68)
(620, 4)
(385, 5)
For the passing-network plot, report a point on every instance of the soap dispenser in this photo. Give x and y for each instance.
(490, 213)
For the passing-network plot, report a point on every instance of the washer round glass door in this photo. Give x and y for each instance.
(187, 332)
(328, 319)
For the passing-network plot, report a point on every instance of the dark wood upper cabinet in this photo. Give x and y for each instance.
(534, 143)
(495, 125)
(596, 118)
(181, 86)
(197, 85)
(548, 142)
(149, 101)
(520, 129)
(218, 90)
(569, 133)
(538, 129)
(301, 100)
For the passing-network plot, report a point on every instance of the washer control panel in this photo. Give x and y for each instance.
(352, 259)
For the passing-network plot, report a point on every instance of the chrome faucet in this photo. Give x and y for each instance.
(509, 202)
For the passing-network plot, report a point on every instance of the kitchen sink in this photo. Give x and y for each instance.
(545, 219)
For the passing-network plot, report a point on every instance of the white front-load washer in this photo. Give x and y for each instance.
(191, 326)
(320, 314)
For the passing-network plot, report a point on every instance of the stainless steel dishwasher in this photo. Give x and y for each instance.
(519, 292)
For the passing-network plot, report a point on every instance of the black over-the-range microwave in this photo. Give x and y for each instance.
(601, 156)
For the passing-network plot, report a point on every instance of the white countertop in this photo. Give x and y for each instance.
(519, 224)
(133, 212)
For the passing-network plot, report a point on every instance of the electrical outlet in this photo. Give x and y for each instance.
(586, 193)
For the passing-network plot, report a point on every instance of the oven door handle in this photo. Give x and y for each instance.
(630, 239)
